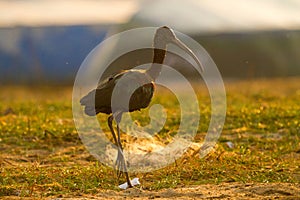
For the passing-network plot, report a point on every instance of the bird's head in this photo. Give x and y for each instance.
(165, 35)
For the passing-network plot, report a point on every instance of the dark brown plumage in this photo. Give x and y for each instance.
(99, 100)
(138, 82)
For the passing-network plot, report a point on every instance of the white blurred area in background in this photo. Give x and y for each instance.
(191, 16)
(65, 12)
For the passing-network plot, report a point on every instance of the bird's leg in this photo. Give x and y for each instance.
(109, 121)
(122, 161)
(119, 158)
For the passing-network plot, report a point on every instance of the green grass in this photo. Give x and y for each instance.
(42, 155)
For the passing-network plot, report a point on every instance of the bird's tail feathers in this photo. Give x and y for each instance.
(89, 99)
(89, 102)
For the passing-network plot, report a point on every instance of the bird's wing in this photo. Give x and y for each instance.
(99, 99)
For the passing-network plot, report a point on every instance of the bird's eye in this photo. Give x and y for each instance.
(110, 78)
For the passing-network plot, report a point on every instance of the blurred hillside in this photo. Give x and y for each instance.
(54, 54)
(254, 54)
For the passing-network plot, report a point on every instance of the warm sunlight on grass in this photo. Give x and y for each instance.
(42, 155)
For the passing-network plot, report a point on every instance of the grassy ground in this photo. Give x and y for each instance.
(42, 155)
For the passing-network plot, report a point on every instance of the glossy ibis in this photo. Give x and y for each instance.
(99, 100)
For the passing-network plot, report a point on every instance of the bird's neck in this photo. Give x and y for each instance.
(158, 59)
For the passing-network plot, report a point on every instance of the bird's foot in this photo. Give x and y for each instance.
(129, 184)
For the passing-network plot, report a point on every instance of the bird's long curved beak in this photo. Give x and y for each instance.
(180, 44)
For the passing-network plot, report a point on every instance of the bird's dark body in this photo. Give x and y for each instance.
(99, 100)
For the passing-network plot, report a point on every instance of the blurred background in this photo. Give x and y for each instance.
(45, 41)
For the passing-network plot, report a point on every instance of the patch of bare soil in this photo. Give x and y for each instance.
(221, 191)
